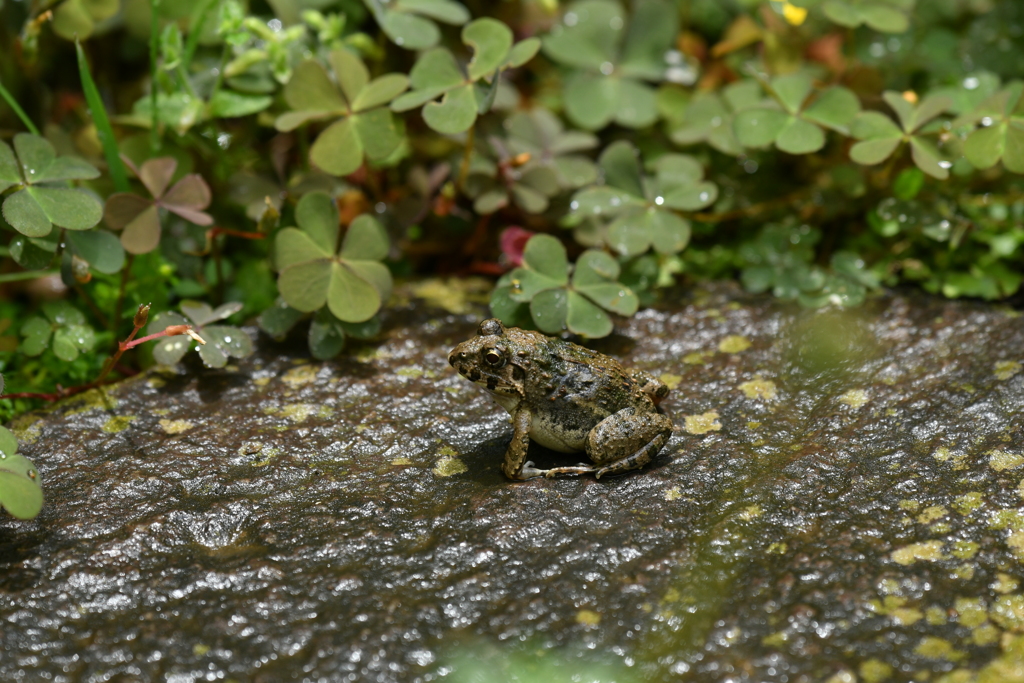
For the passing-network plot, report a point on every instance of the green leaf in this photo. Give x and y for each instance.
(886, 19)
(669, 234)
(929, 108)
(20, 493)
(326, 336)
(304, 285)
(337, 149)
(1013, 157)
(99, 248)
(317, 216)
(759, 127)
(35, 154)
(25, 215)
(377, 274)
(511, 312)
(985, 146)
(545, 255)
(67, 207)
(223, 341)
(455, 113)
(652, 31)
(612, 296)
(907, 184)
(622, 168)
(630, 233)
(380, 91)
(70, 340)
(926, 157)
(491, 41)
(522, 52)
(365, 240)
(834, 108)
(8, 442)
(350, 73)
(591, 100)
(637, 104)
(228, 104)
(368, 329)
(800, 137)
(605, 200)
(279, 319)
(436, 69)
(443, 10)
(792, 90)
(588, 35)
(529, 199)
(549, 309)
(199, 312)
(350, 297)
(583, 317)
(311, 89)
(594, 267)
(410, 32)
(9, 173)
(293, 247)
(377, 133)
(690, 197)
(34, 253)
(36, 332)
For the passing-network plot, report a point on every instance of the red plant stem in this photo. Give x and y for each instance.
(236, 233)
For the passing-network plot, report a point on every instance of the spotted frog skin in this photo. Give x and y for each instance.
(567, 398)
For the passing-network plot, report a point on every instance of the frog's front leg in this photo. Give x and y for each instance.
(627, 441)
(515, 465)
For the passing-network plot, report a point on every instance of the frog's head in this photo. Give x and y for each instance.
(487, 360)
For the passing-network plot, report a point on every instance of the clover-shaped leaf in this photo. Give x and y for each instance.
(63, 328)
(44, 200)
(796, 128)
(888, 16)
(1001, 135)
(557, 300)
(77, 19)
(709, 116)
(642, 208)
(879, 136)
(363, 126)
(408, 22)
(349, 279)
(612, 63)
(222, 341)
(539, 134)
(436, 74)
(326, 335)
(139, 218)
(20, 493)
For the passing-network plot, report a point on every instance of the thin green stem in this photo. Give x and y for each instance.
(224, 56)
(195, 30)
(13, 104)
(27, 275)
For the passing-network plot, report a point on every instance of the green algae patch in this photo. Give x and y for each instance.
(401, 461)
(673, 493)
(944, 455)
(938, 648)
(969, 502)
(1004, 583)
(697, 357)
(26, 428)
(750, 512)
(702, 424)
(874, 671)
(734, 343)
(758, 388)
(895, 607)
(930, 514)
(1001, 460)
(175, 426)
(964, 550)
(588, 617)
(300, 376)
(415, 373)
(449, 465)
(910, 505)
(670, 380)
(930, 551)
(855, 398)
(118, 423)
(94, 399)
(1008, 612)
(970, 612)
(298, 412)
(1005, 369)
(455, 295)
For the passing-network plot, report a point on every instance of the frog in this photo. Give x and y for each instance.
(567, 398)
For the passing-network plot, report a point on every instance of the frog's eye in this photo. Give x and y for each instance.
(494, 358)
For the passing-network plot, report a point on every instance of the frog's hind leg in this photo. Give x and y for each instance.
(625, 441)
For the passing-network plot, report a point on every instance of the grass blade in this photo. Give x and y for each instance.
(116, 167)
(13, 104)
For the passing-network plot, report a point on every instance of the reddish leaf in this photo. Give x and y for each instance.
(187, 198)
(142, 235)
(513, 241)
(122, 208)
(156, 174)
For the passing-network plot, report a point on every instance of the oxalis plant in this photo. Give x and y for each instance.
(276, 164)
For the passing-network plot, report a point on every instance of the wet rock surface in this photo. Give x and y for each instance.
(841, 501)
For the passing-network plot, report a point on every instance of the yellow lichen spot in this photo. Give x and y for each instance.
(410, 371)
(777, 639)
(297, 377)
(455, 295)
(1015, 542)
(118, 423)
(1008, 612)
(702, 424)
(673, 493)
(964, 572)
(734, 343)
(401, 461)
(1004, 583)
(26, 428)
(753, 425)
(777, 548)
(447, 450)
(910, 505)
(156, 383)
(261, 381)
(759, 388)
(160, 411)
(298, 412)
(936, 616)
(964, 550)
(930, 514)
(930, 551)
(588, 617)
(968, 503)
(1001, 460)
(200, 650)
(175, 426)
(793, 14)
(448, 466)
(855, 398)
(268, 457)
(670, 380)
(906, 616)
(875, 671)
(1005, 369)
(943, 454)
(938, 648)
(986, 634)
(750, 512)
(970, 612)
(94, 399)
(696, 357)
(843, 676)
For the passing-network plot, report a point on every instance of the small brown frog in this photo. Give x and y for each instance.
(567, 398)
